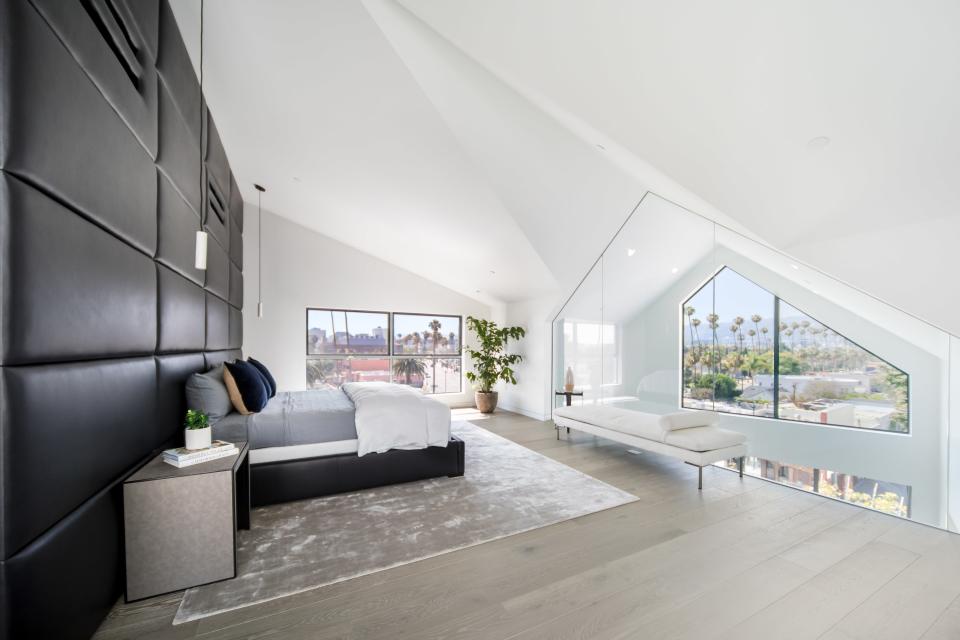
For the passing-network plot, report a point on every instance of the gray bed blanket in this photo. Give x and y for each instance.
(293, 417)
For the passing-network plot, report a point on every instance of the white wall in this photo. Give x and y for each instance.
(303, 268)
(530, 396)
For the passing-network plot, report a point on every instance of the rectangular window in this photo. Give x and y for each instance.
(433, 335)
(422, 349)
(887, 497)
(592, 352)
(418, 350)
(335, 331)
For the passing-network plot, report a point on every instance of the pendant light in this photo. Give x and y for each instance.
(260, 191)
(200, 258)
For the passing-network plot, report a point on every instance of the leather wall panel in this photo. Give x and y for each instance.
(236, 205)
(217, 358)
(178, 225)
(172, 374)
(217, 216)
(73, 291)
(179, 156)
(236, 328)
(216, 159)
(218, 324)
(218, 269)
(182, 317)
(132, 87)
(236, 243)
(44, 93)
(236, 286)
(146, 17)
(69, 430)
(53, 595)
(103, 315)
(177, 72)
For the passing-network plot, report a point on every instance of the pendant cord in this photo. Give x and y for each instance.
(202, 190)
(259, 252)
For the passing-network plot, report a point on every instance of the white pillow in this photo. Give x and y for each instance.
(688, 420)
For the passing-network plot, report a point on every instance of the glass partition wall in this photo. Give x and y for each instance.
(838, 393)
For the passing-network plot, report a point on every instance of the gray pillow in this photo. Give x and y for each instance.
(207, 393)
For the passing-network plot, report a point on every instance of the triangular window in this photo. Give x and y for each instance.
(746, 351)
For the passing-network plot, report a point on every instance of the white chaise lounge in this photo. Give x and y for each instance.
(692, 436)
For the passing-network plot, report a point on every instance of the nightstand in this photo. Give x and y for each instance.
(180, 525)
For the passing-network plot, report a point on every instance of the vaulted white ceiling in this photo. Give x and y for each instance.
(312, 102)
(455, 138)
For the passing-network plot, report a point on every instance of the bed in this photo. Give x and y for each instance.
(313, 443)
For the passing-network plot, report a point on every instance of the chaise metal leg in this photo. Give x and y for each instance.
(700, 478)
(741, 466)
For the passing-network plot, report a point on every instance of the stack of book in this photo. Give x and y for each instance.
(181, 457)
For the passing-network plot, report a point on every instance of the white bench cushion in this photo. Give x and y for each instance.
(676, 430)
(704, 438)
(634, 423)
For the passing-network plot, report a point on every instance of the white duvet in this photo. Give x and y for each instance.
(392, 416)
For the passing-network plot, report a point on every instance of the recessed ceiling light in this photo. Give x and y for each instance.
(296, 179)
(674, 270)
(630, 252)
(795, 267)
(601, 147)
(492, 272)
(478, 290)
(820, 142)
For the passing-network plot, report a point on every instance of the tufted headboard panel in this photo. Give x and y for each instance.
(102, 313)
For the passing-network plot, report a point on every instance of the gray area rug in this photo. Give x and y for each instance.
(294, 547)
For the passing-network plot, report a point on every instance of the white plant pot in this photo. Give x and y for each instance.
(197, 438)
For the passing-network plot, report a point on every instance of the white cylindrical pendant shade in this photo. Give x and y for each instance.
(200, 262)
(259, 309)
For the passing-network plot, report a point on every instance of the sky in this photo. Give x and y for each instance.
(364, 322)
(360, 322)
(732, 296)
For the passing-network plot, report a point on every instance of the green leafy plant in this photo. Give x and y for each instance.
(491, 362)
(196, 420)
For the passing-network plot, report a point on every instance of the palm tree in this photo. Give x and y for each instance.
(409, 367)
(689, 311)
(753, 338)
(739, 322)
(766, 340)
(695, 323)
(435, 334)
(755, 319)
(333, 333)
(318, 371)
(713, 320)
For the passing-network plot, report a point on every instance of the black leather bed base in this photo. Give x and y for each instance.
(273, 482)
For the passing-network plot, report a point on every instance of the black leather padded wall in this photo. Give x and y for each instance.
(102, 313)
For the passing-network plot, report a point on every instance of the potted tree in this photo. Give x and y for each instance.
(196, 430)
(491, 362)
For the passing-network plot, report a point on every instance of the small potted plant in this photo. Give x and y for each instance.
(196, 430)
(491, 363)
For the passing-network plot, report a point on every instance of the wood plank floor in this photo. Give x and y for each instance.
(742, 559)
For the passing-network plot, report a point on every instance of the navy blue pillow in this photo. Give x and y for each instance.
(246, 387)
(262, 368)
